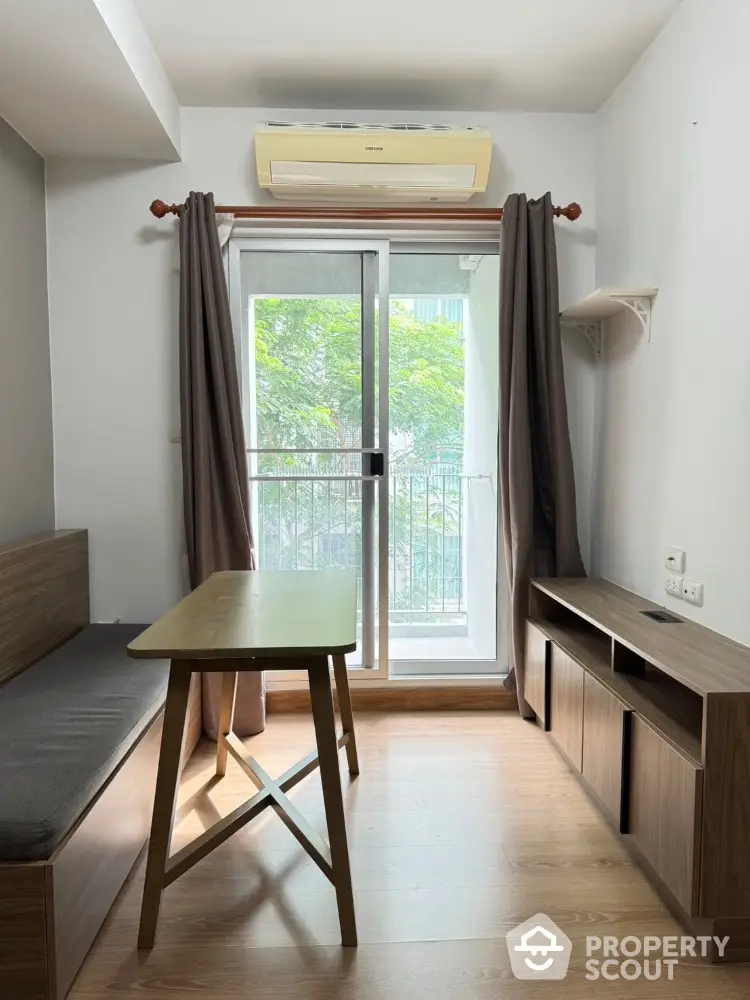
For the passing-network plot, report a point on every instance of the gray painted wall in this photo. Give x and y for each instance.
(26, 456)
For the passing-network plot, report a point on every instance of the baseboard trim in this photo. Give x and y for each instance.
(414, 698)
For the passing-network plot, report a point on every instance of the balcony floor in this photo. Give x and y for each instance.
(449, 647)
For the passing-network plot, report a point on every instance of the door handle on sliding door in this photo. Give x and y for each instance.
(374, 463)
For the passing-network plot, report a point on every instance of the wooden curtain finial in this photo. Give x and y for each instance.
(572, 211)
(160, 209)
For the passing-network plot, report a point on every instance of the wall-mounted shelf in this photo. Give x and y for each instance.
(587, 316)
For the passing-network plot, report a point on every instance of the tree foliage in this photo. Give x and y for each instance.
(308, 361)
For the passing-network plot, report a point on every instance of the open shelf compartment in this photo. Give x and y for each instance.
(670, 707)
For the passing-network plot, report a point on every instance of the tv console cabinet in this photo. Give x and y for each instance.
(654, 717)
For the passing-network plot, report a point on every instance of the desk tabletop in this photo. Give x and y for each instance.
(260, 613)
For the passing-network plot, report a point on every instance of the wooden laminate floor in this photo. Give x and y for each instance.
(461, 826)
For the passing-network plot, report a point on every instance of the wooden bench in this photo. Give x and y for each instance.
(79, 746)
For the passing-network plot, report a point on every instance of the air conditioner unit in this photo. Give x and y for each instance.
(356, 162)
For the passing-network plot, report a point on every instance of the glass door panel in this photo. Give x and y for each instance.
(305, 318)
(305, 315)
(443, 505)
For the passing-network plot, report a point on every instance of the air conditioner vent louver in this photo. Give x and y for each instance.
(362, 161)
(376, 126)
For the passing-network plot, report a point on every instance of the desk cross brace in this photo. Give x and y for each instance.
(271, 793)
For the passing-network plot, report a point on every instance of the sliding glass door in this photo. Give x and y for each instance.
(369, 380)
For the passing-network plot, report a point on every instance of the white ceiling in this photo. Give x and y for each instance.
(107, 78)
(531, 55)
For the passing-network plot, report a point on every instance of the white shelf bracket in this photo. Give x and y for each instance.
(641, 307)
(591, 331)
(589, 316)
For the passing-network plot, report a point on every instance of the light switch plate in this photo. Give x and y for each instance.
(675, 560)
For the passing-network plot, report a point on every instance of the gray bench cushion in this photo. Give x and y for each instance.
(65, 725)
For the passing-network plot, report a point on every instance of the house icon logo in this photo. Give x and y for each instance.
(538, 949)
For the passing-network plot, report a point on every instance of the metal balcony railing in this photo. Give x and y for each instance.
(318, 525)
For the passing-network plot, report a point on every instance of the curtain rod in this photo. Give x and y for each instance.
(160, 209)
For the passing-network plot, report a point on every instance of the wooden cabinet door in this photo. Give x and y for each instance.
(666, 790)
(566, 705)
(535, 677)
(604, 719)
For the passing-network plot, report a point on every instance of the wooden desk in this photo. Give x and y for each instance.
(256, 621)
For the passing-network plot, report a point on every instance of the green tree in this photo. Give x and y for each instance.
(309, 376)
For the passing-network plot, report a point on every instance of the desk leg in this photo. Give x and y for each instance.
(226, 719)
(324, 720)
(167, 784)
(345, 710)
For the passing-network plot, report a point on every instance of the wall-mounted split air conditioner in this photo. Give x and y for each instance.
(349, 161)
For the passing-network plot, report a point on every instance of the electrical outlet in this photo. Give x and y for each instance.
(692, 591)
(675, 559)
(673, 585)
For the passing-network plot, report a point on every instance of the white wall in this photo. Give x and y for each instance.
(113, 273)
(674, 415)
(27, 502)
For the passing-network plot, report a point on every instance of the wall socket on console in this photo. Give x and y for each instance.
(692, 591)
(682, 587)
(673, 584)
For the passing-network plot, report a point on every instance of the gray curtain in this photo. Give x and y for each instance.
(538, 504)
(214, 460)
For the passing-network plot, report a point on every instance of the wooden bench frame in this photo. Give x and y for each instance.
(51, 911)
